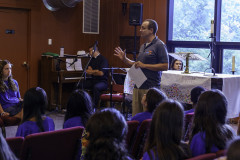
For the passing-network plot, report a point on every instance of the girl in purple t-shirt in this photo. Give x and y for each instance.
(210, 132)
(34, 121)
(10, 100)
(165, 134)
(79, 109)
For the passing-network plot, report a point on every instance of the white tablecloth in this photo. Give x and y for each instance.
(178, 87)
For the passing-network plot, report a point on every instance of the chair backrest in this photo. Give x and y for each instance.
(132, 130)
(138, 145)
(61, 144)
(8, 121)
(117, 88)
(208, 156)
(15, 143)
(188, 125)
(119, 78)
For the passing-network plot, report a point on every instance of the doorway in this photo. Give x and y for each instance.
(14, 27)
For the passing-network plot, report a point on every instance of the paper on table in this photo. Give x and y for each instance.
(77, 66)
(137, 75)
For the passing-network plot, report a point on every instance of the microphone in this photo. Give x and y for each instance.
(95, 46)
(75, 60)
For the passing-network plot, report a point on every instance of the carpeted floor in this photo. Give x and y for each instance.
(58, 120)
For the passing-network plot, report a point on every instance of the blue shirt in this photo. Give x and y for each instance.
(10, 97)
(30, 127)
(184, 154)
(189, 111)
(99, 63)
(73, 122)
(153, 53)
(198, 146)
(142, 116)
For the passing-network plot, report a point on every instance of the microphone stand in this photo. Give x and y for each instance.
(83, 74)
(211, 46)
(58, 68)
(112, 80)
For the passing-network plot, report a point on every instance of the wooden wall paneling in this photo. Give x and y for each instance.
(35, 46)
(26, 4)
(65, 28)
(161, 18)
(114, 32)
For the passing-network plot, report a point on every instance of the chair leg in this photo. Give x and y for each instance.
(3, 131)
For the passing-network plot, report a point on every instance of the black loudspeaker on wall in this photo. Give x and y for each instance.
(135, 14)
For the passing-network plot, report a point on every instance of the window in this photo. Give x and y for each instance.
(230, 21)
(227, 65)
(195, 65)
(191, 20)
(189, 27)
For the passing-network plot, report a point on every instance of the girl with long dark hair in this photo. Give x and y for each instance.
(79, 109)
(210, 132)
(149, 101)
(107, 130)
(34, 120)
(165, 136)
(10, 99)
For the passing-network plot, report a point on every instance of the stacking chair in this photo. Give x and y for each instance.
(61, 144)
(6, 121)
(208, 156)
(138, 145)
(132, 130)
(15, 143)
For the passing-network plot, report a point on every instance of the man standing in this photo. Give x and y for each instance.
(99, 77)
(152, 59)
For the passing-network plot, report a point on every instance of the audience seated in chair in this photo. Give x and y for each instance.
(210, 132)
(107, 132)
(5, 151)
(79, 109)
(164, 139)
(149, 101)
(10, 99)
(99, 76)
(34, 121)
(195, 93)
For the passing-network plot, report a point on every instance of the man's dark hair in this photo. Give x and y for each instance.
(152, 24)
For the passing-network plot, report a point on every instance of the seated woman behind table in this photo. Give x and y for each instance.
(10, 99)
(34, 120)
(176, 65)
